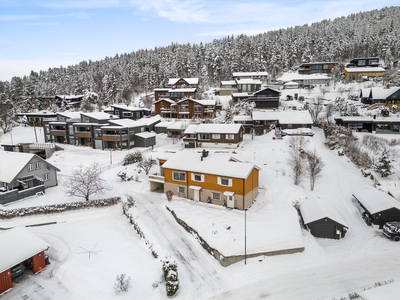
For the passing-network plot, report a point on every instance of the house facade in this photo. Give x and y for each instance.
(379, 125)
(316, 67)
(213, 135)
(261, 76)
(23, 175)
(129, 112)
(177, 88)
(210, 178)
(186, 108)
(363, 62)
(378, 95)
(265, 98)
(36, 119)
(355, 73)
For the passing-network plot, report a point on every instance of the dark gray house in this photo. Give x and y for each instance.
(23, 175)
(265, 98)
(322, 219)
(129, 112)
(377, 207)
(213, 135)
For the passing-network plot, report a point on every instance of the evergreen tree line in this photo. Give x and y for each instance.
(117, 79)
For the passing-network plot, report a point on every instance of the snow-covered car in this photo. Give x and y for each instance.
(392, 230)
(17, 270)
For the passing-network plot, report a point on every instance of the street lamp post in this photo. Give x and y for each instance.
(245, 231)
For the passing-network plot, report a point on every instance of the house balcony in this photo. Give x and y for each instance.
(83, 134)
(58, 132)
(114, 137)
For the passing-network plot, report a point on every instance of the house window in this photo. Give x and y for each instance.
(85, 119)
(216, 136)
(216, 196)
(198, 177)
(37, 165)
(197, 116)
(181, 190)
(71, 130)
(46, 128)
(127, 114)
(224, 181)
(46, 176)
(204, 136)
(185, 106)
(30, 167)
(230, 136)
(197, 108)
(179, 176)
(116, 112)
(289, 125)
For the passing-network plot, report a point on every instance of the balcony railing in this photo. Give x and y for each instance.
(156, 178)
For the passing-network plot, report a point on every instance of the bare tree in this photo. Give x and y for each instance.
(315, 109)
(329, 111)
(85, 182)
(296, 152)
(6, 114)
(147, 164)
(122, 283)
(314, 167)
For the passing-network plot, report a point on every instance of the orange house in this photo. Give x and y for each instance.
(213, 178)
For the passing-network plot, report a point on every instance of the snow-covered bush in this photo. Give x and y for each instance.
(132, 157)
(384, 166)
(55, 208)
(169, 194)
(170, 269)
(122, 283)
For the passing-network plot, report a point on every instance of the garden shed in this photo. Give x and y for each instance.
(16, 246)
(377, 207)
(323, 219)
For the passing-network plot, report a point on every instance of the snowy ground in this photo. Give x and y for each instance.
(327, 269)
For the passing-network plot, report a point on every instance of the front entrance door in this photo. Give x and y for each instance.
(197, 195)
(230, 201)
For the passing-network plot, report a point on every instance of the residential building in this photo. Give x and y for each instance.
(212, 178)
(177, 88)
(129, 112)
(316, 67)
(363, 62)
(383, 96)
(262, 76)
(369, 72)
(377, 207)
(213, 135)
(265, 98)
(36, 118)
(186, 108)
(23, 175)
(248, 85)
(370, 124)
(322, 219)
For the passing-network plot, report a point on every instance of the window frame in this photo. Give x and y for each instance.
(181, 188)
(213, 198)
(180, 173)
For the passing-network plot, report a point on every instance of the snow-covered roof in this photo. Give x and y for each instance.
(267, 88)
(241, 74)
(296, 76)
(180, 125)
(11, 164)
(242, 118)
(248, 81)
(395, 192)
(186, 90)
(127, 122)
(43, 114)
(291, 83)
(284, 117)
(219, 128)
(365, 92)
(216, 164)
(17, 245)
(317, 63)
(70, 114)
(316, 209)
(191, 129)
(126, 107)
(145, 134)
(369, 119)
(161, 89)
(229, 82)
(165, 99)
(375, 200)
(244, 94)
(97, 115)
(70, 97)
(163, 124)
(151, 120)
(381, 93)
(299, 131)
(364, 69)
(173, 81)
(388, 291)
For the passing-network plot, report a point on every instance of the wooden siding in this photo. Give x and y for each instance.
(325, 228)
(384, 216)
(83, 134)
(38, 262)
(58, 132)
(111, 138)
(5, 281)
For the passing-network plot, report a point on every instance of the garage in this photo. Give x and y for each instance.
(20, 249)
(322, 219)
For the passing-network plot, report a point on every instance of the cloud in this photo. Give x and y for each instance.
(83, 4)
(79, 15)
(189, 11)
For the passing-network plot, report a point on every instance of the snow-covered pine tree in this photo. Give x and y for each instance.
(384, 166)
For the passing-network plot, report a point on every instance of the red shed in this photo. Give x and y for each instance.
(16, 246)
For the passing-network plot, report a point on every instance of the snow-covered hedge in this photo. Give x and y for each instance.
(55, 208)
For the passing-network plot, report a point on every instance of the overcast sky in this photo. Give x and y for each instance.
(38, 34)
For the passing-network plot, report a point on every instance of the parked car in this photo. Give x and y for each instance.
(392, 230)
(17, 270)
